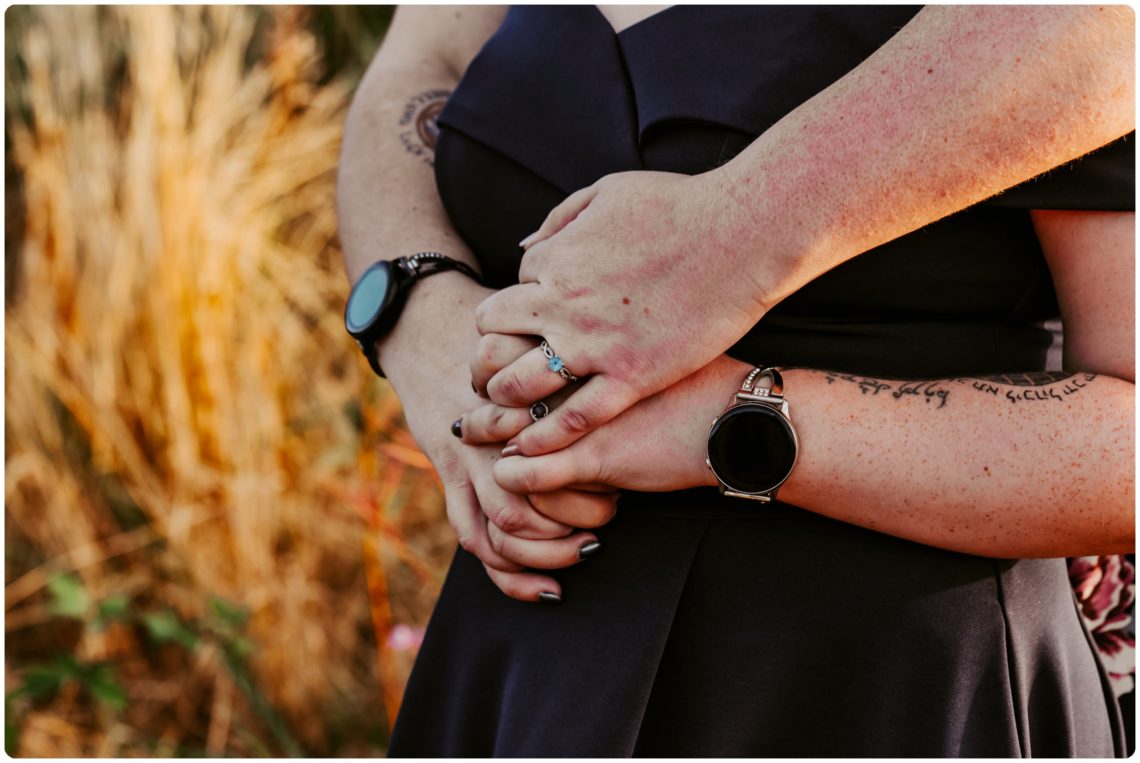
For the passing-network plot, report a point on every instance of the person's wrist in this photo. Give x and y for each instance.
(720, 380)
(435, 332)
(751, 226)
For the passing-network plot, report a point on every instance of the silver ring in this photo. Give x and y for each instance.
(554, 363)
(538, 410)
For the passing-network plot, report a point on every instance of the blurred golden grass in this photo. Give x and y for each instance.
(187, 423)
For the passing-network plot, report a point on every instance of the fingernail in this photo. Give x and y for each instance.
(511, 450)
(528, 240)
(457, 427)
(588, 549)
(549, 597)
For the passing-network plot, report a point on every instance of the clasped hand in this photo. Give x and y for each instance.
(635, 283)
(628, 281)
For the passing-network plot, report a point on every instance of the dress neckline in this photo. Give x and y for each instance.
(651, 17)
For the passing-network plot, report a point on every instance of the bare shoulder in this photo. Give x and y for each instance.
(447, 34)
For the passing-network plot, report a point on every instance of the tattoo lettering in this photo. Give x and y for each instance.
(1030, 387)
(872, 386)
(1015, 388)
(420, 128)
(924, 390)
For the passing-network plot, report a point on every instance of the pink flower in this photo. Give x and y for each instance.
(403, 638)
(1105, 588)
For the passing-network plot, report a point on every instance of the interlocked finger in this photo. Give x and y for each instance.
(559, 217)
(527, 380)
(494, 423)
(576, 508)
(513, 514)
(516, 309)
(589, 406)
(495, 352)
(526, 586)
(470, 525)
(541, 554)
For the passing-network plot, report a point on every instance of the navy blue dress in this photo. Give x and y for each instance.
(711, 628)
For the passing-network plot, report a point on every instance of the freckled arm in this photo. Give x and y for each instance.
(1014, 465)
(1039, 466)
(962, 103)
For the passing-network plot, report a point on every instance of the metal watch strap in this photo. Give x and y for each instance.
(775, 390)
(420, 265)
(751, 392)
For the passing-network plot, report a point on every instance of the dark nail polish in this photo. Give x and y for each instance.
(549, 598)
(457, 427)
(511, 450)
(474, 388)
(589, 549)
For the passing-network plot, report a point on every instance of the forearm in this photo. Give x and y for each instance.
(980, 466)
(388, 205)
(962, 103)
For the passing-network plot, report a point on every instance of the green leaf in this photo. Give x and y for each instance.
(68, 597)
(229, 613)
(103, 687)
(114, 607)
(45, 680)
(164, 627)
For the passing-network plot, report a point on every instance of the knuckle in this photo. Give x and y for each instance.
(487, 350)
(497, 541)
(528, 481)
(510, 388)
(575, 421)
(496, 424)
(511, 521)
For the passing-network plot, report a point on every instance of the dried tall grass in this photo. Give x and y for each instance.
(186, 420)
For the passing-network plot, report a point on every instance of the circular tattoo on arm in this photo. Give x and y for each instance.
(419, 128)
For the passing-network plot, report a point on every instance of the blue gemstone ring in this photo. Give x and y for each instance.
(554, 363)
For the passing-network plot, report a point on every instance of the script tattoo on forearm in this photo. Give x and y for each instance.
(1031, 387)
(928, 390)
(1017, 388)
(419, 129)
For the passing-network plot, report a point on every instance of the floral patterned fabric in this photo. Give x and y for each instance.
(1106, 590)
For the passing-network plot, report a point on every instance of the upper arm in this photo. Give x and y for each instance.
(1091, 256)
(443, 37)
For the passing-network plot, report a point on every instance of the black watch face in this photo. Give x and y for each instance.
(368, 297)
(752, 448)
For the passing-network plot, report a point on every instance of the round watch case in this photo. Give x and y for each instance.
(752, 448)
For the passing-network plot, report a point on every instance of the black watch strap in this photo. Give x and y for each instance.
(417, 266)
(424, 264)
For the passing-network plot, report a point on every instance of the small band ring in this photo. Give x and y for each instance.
(554, 363)
(539, 410)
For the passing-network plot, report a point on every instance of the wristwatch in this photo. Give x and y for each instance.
(378, 297)
(752, 445)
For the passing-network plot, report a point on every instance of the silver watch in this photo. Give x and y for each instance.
(752, 446)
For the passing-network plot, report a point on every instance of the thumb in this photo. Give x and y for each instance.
(561, 215)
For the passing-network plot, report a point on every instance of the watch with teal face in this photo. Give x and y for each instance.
(379, 296)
